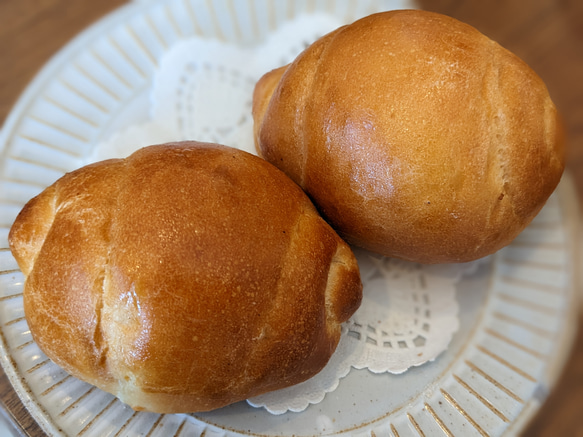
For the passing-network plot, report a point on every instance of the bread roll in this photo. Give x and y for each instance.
(415, 135)
(183, 278)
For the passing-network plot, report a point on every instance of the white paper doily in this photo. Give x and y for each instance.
(203, 91)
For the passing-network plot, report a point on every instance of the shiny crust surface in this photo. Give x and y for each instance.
(415, 135)
(183, 278)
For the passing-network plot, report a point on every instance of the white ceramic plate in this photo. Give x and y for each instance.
(516, 314)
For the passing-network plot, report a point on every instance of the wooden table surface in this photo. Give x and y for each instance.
(547, 34)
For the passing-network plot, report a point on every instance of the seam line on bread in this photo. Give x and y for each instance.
(99, 337)
(53, 203)
(280, 290)
(304, 116)
(499, 131)
(333, 272)
(497, 143)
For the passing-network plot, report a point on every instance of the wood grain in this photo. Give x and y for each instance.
(547, 34)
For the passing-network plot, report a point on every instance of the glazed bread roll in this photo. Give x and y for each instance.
(415, 135)
(183, 278)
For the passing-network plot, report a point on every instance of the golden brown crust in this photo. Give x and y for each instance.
(184, 278)
(415, 135)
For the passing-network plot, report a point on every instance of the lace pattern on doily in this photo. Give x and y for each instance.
(203, 91)
(408, 314)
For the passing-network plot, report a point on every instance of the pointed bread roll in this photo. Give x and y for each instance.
(183, 278)
(415, 135)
